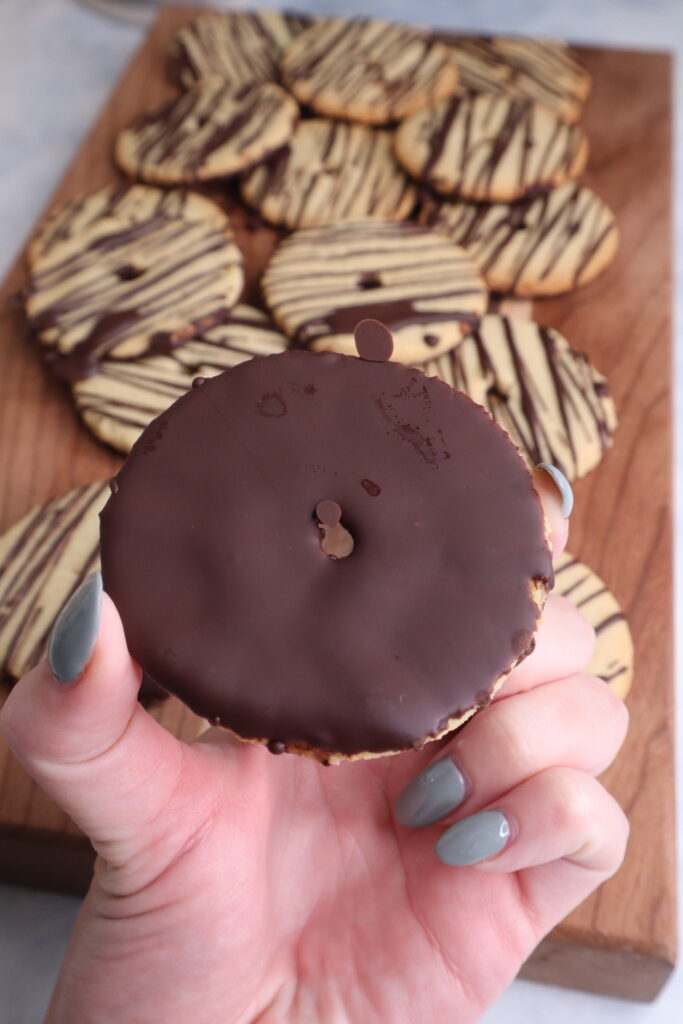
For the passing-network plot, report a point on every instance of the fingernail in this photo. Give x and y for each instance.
(75, 631)
(563, 486)
(433, 793)
(473, 839)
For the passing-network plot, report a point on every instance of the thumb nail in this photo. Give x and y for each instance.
(564, 488)
(75, 631)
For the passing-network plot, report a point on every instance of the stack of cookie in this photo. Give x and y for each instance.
(410, 178)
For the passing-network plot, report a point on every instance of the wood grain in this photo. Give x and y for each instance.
(622, 940)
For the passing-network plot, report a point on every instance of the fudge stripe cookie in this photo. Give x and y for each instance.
(131, 289)
(490, 148)
(243, 48)
(613, 655)
(120, 400)
(547, 396)
(211, 131)
(540, 70)
(540, 246)
(43, 558)
(128, 204)
(367, 69)
(330, 171)
(321, 282)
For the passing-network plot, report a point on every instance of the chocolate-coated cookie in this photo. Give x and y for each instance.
(540, 246)
(322, 281)
(548, 397)
(329, 172)
(489, 148)
(367, 70)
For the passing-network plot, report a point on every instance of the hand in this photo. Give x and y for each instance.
(232, 886)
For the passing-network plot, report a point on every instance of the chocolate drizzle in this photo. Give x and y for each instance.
(373, 652)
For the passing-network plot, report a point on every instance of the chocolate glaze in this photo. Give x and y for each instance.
(373, 341)
(212, 553)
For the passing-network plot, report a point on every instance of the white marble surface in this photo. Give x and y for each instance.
(58, 61)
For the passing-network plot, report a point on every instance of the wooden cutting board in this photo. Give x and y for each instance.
(622, 940)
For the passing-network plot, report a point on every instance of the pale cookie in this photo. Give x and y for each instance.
(211, 131)
(554, 405)
(367, 69)
(330, 171)
(127, 203)
(122, 289)
(321, 282)
(541, 70)
(120, 400)
(43, 558)
(489, 148)
(613, 655)
(541, 246)
(243, 47)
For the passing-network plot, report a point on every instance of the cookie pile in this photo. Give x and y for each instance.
(410, 177)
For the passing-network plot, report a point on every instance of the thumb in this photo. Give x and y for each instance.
(75, 724)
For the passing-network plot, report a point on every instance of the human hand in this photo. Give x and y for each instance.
(234, 886)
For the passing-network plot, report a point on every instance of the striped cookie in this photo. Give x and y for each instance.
(489, 148)
(540, 246)
(330, 171)
(322, 281)
(120, 400)
(613, 655)
(241, 47)
(541, 70)
(123, 289)
(43, 558)
(211, 131)
(552, 402)
(367, 70)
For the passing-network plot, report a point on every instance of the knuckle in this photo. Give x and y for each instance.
(573, 803)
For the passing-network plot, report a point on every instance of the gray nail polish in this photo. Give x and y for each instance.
(75, 631)
(433, 793)
(563, 486)
(473, 839)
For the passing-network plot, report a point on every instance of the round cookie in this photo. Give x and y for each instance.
(489, 148)
(554, 405)
(541, 246)
(123, 289)
(227, 500)
(322, 281)
(367, 70)
(120, 400)
(330, 171)
(128, 204)
(613, 655)
(43, 558)
(241, 47)
(211, 131)
(543, 71)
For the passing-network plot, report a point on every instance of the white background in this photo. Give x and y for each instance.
(58, 62)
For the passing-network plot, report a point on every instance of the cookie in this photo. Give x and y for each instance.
(322, 281)
(122, 289)
(128, 204)
(211, 131)
(543, 71)
(613, 655)
(43, 558)
(305, 513)
(330, 171)
(120, 400)
(367, 70)
(241, 47)
(546, 395)
(541, 246)
(489, 148)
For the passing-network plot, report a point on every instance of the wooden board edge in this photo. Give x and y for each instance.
(47, 861)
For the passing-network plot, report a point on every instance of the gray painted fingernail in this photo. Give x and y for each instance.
(433, 793)
(563, 486)
(75, 631)
(474, 838)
